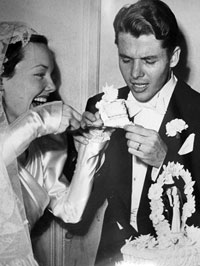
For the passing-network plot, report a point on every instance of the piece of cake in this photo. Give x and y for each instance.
(176, 243)
(113, 111)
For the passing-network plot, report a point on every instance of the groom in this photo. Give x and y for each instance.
(147, 39)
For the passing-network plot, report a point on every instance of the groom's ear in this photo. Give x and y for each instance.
(175, 56)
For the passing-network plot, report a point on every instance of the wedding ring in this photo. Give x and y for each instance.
(138, 147)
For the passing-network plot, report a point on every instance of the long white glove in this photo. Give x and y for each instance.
(90, 158)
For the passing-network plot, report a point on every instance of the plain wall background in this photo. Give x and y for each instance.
(187, 14)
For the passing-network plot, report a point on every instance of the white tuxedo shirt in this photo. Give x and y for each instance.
(149, 117)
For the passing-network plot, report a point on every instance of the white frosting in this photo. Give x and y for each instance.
(113, 111)
(99, 135)
(179, 256)
(183, 256)
(110, 93)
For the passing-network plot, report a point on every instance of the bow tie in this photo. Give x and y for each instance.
(134, 107)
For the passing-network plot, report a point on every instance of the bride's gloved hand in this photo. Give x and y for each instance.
(91, 130)
(57, 117)
(89, 121)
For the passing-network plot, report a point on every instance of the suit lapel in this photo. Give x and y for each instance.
(172, 142)
(121, 172)
(120, 181)
(174, 110)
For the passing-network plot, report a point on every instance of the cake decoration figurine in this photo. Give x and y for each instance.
(175, 243)
(113, 111)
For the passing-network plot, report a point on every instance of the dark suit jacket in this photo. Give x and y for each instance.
(114, 180)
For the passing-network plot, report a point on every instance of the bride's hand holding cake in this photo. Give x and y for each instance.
(92, 130)
(91, 120)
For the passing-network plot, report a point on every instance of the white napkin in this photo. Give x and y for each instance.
(187, 145)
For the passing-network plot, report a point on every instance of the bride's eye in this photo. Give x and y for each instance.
(40, 75)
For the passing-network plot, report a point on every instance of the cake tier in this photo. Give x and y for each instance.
(177, 256)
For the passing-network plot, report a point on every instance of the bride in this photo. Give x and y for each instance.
(34, 148)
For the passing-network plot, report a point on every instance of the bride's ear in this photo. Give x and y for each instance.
(175, 56)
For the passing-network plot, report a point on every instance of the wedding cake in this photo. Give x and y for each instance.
(113, 111)
(175, 244)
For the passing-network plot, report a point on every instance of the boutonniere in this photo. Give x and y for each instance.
(175, 127)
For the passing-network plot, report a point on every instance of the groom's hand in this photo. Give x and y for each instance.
(146, 144)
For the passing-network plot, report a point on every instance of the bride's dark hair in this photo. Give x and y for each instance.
(15, 53)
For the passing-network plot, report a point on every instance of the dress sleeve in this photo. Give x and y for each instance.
(33, 124)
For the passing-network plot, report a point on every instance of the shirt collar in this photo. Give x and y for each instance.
(164, 95)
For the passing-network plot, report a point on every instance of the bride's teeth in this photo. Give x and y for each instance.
(39, 101)
(43, 100)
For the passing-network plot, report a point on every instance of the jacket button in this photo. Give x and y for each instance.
(68, 235)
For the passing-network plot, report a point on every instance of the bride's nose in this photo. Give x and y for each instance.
(50, 86)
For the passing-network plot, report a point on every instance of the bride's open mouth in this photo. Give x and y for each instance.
(39, 100)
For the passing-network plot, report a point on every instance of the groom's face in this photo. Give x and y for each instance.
(144, 64)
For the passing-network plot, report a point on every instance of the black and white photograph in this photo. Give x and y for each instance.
(99, 133)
